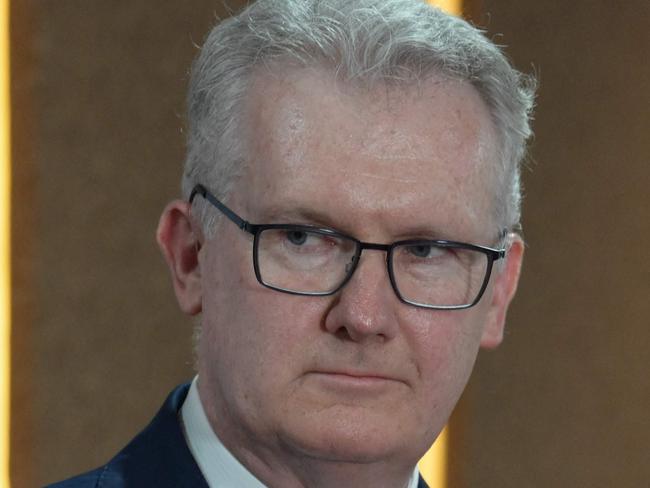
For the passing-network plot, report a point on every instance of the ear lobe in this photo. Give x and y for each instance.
(505, 285)
(180, 247)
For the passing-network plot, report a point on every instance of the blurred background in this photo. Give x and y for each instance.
(97, 340)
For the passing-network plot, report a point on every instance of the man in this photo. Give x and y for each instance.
(347, 241)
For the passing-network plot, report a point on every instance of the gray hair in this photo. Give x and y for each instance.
(364, 41)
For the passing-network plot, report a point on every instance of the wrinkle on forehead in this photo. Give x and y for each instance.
(389, 144)
(398, 178)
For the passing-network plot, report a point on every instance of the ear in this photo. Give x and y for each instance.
(180, 244)
(505, 285)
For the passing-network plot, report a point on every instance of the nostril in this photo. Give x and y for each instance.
(343, 334)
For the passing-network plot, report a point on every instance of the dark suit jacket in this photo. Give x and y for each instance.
(157, 457)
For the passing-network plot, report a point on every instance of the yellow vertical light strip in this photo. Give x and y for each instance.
(433, 465)
(454, 7)
(5, 260)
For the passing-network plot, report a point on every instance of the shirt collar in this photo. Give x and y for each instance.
(219, 467)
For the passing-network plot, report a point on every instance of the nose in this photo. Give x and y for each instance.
(365, 309)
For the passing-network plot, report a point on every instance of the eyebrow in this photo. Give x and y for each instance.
(282, 214)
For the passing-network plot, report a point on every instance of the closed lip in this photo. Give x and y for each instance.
(360, 376)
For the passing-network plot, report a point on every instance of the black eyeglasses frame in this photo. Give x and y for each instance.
(256, 229)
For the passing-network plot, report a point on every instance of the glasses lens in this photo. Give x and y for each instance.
(303, 260)
(443, 276)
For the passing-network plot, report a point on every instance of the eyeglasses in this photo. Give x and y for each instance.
(314, 261)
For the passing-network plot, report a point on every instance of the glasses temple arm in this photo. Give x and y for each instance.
(241, 223)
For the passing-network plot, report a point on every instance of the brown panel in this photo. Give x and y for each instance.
(23, 233)
(565, 401)
(99, 341)
(473, 11)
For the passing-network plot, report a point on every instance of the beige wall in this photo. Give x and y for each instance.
(98, 341)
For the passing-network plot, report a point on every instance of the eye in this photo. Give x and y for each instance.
(429, 253)
(423, 250)
(297, 237)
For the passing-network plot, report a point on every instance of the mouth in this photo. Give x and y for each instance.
(354, 380)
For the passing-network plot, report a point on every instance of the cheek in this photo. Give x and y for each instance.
(255, 356)
(281, 330)
(257, 332)
(446, 344)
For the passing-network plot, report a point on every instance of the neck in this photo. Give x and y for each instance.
(286, 468)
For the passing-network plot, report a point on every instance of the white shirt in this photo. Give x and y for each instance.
(220, 468)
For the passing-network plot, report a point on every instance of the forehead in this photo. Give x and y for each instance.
(425, 152)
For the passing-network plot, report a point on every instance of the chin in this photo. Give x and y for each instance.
(348, 438)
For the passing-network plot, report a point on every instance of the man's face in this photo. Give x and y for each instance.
(358, 376)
